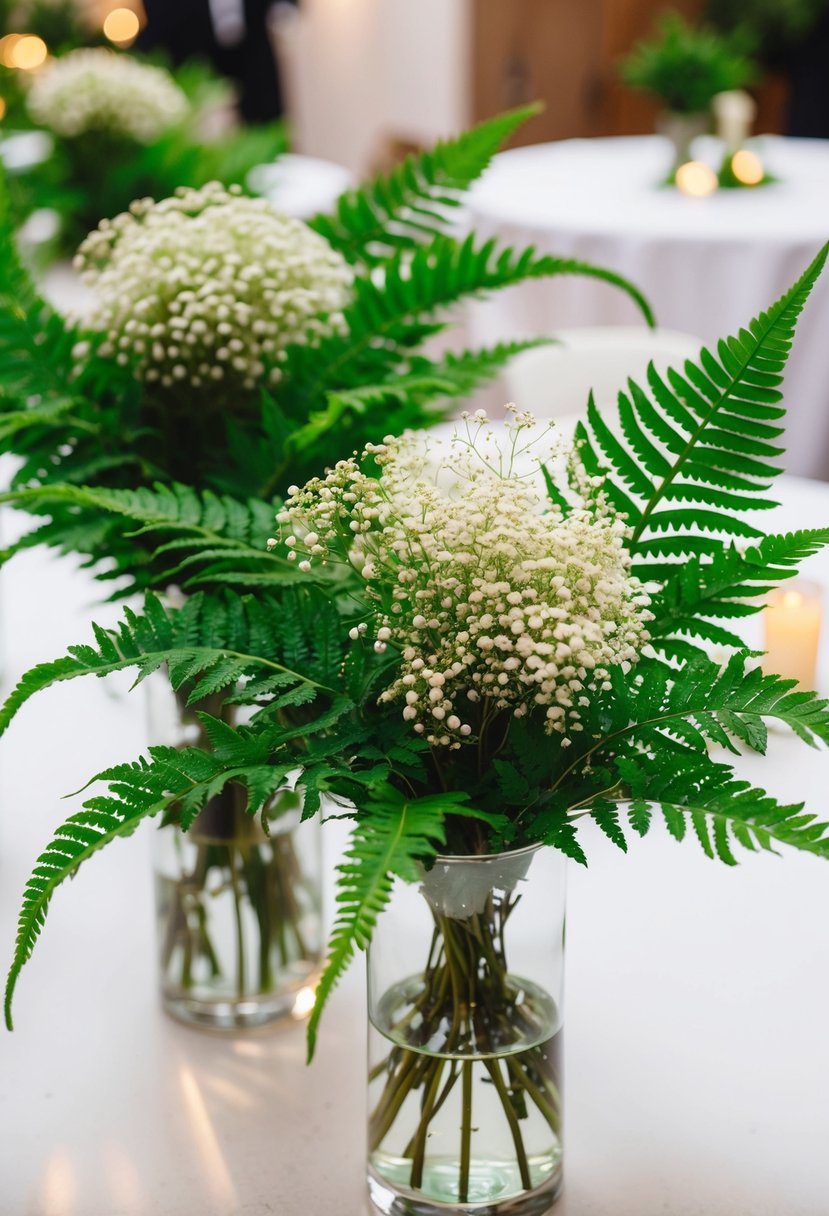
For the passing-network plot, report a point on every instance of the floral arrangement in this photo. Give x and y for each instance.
(685, 66)
(232, 352)
(208, 287)
(98, 90)
(152, 129)
(491, 602)
(474, 651)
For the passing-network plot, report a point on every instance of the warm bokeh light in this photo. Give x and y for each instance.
(304, 1003)
(792, 599)
(747, 167)
(7, 46)
(696, 178)
(121, 26)
(28, 52)
(2, 108)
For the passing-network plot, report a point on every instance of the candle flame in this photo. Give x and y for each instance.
(747, 167)
(792, 599)
(696, 179)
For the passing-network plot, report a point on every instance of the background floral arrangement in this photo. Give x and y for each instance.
(331, 339)
(154, 130)
(98, 90)
(686, 66)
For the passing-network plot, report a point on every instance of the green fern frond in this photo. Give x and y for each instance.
(405, 398)
(416, 200)
(204, 532)
(390, 309)
(398, 834)
(35, 343)
(187, 779)
(722, 809)
(730, 586)
(671, 714)
(288, 647)
(703, 437)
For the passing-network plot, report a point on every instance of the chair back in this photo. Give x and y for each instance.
(556, 381)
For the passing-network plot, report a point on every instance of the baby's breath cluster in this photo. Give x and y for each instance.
(101, 90)
(496, 598)
(208, 287)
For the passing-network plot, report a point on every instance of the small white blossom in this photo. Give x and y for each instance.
(495, 597)
(183, 283)
(95, 89)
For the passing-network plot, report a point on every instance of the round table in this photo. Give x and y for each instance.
(707, 265)
(696, 1050)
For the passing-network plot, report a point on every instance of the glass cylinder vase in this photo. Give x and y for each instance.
(238, 904)
(465, 1025)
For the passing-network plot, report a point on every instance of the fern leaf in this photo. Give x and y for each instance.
(404, 399)
(199, 644)
(417, 198)
(399, 833)
(723, 809)
(184, 531)
(703, 437)
(389, 308)
(730, 585)
(136, 792)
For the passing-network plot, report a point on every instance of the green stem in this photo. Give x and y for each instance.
(240, 930)
(521, 1077)
(466, 1131)
(512, 1119)
(419, 1156)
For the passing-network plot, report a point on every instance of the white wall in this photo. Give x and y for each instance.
(426, 51)
(359, 71)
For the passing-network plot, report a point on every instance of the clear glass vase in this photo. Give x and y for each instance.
(238, 908)
(465, 1025)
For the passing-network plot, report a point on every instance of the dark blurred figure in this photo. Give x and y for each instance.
(232, 35)
(808, 65)
(790, 37)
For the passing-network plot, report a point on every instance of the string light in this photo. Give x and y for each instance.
(747, 167)
(696, 179)
(121, 26)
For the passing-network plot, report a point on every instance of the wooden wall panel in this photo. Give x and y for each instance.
(523, 50)
(565, 52)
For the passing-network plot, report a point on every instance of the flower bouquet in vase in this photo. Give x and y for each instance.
(149, 126)
(685, 68)
(492, 642)
(230, 352)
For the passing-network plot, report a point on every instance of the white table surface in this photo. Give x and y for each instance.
(707, 265)
(697, 1052)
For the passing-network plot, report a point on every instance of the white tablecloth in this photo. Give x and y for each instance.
(697, 1054)
(708, 265)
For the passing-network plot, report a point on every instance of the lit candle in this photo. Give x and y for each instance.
(792, 620)
(696, 179)
(747, 167)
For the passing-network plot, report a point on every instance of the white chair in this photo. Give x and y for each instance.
(556, 381)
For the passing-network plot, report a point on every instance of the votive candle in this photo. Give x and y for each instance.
(792, 620)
